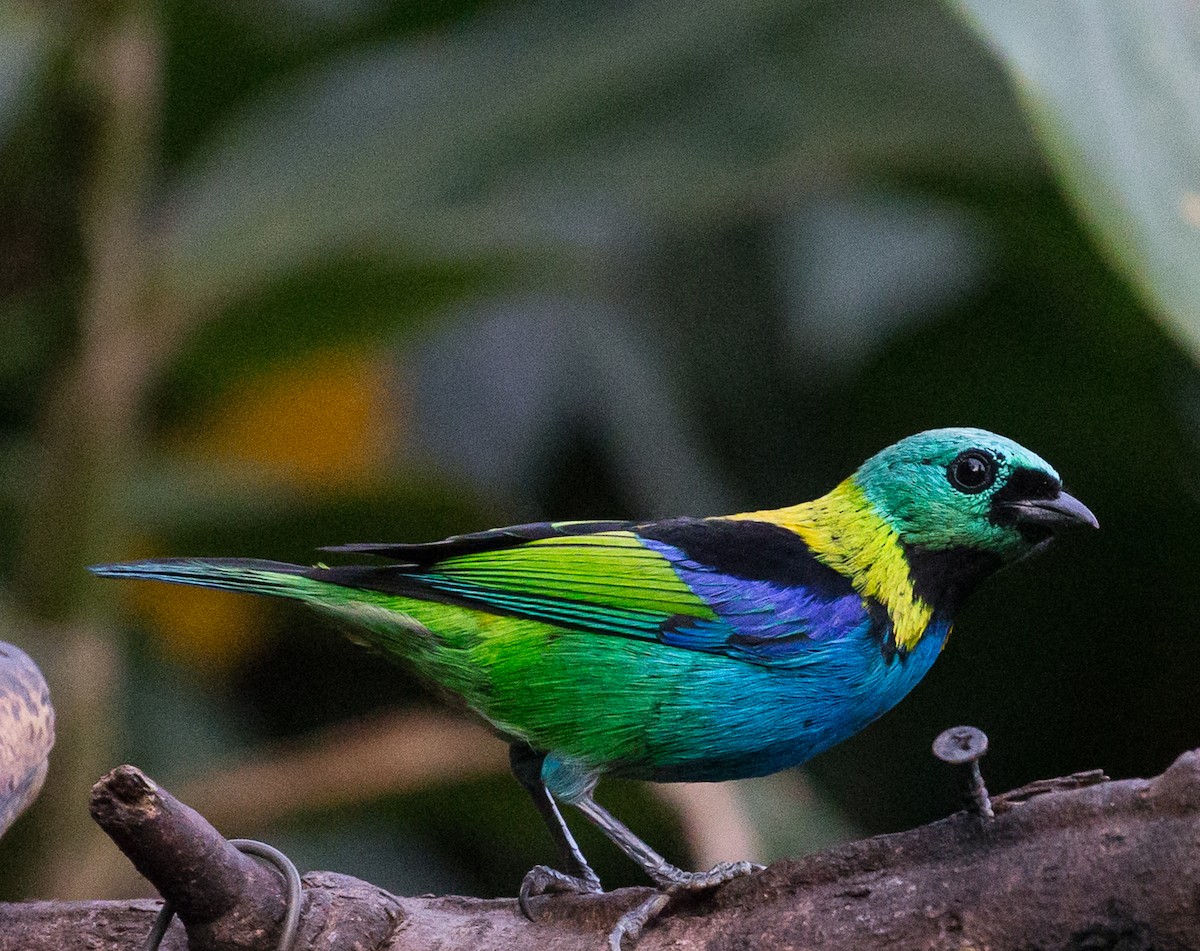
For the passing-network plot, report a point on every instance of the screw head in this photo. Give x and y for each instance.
(960, 744)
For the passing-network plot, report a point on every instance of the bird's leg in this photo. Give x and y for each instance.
(662, 872)
(579, 878)
(666, 876)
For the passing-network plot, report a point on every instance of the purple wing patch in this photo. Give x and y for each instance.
(763, 621)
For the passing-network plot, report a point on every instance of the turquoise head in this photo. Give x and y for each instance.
(969, 491)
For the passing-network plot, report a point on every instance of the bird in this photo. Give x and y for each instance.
(685, 649)
(26, 732)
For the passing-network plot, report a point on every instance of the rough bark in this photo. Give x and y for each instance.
(1071, 864)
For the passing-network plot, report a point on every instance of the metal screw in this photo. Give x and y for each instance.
(963, 746)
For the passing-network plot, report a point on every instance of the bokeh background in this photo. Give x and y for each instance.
(276, 274)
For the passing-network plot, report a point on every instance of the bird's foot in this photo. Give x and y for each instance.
(673, 881)
(543, 880)
(631, 924)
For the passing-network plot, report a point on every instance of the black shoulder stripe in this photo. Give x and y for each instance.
(753, 551)
(882, 630)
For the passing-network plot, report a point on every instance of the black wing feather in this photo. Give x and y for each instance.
(425, 554)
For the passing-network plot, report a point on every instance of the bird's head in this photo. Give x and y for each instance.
(964, 491)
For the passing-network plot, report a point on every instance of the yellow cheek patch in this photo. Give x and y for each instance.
(844, 532)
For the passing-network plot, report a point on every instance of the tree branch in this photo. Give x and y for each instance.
(386, 754)
(1074, 864)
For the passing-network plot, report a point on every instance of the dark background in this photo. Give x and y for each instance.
(283, 274)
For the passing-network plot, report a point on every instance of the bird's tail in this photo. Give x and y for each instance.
(253, 576)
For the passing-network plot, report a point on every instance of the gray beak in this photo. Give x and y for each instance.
(1059, 512)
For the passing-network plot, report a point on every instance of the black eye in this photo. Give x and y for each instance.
(972, 471)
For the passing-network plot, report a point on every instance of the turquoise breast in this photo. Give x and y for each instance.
(737, 719)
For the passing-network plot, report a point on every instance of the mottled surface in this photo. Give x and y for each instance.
(26, 732)
(1108, 865)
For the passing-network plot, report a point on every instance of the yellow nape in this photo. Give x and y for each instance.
(844, 532)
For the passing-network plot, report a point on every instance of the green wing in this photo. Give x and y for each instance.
(609, 582)
(594, 576)
(520, 623)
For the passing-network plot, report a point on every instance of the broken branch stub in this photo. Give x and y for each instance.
(224, 898)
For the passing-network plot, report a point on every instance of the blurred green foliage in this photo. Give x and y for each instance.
(619, 259)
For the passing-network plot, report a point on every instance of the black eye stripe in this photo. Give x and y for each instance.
(972, 471)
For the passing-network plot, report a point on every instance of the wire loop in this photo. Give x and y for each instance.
(285, 867)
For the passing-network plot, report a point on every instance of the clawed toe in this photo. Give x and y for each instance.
(674, 881)
(719, 874)
(632, 923)
(543, 880)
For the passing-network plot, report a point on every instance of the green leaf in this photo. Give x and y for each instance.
(361, 298)
(24, 38)
(204, 510)
(552, 127)
(1113, 90)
